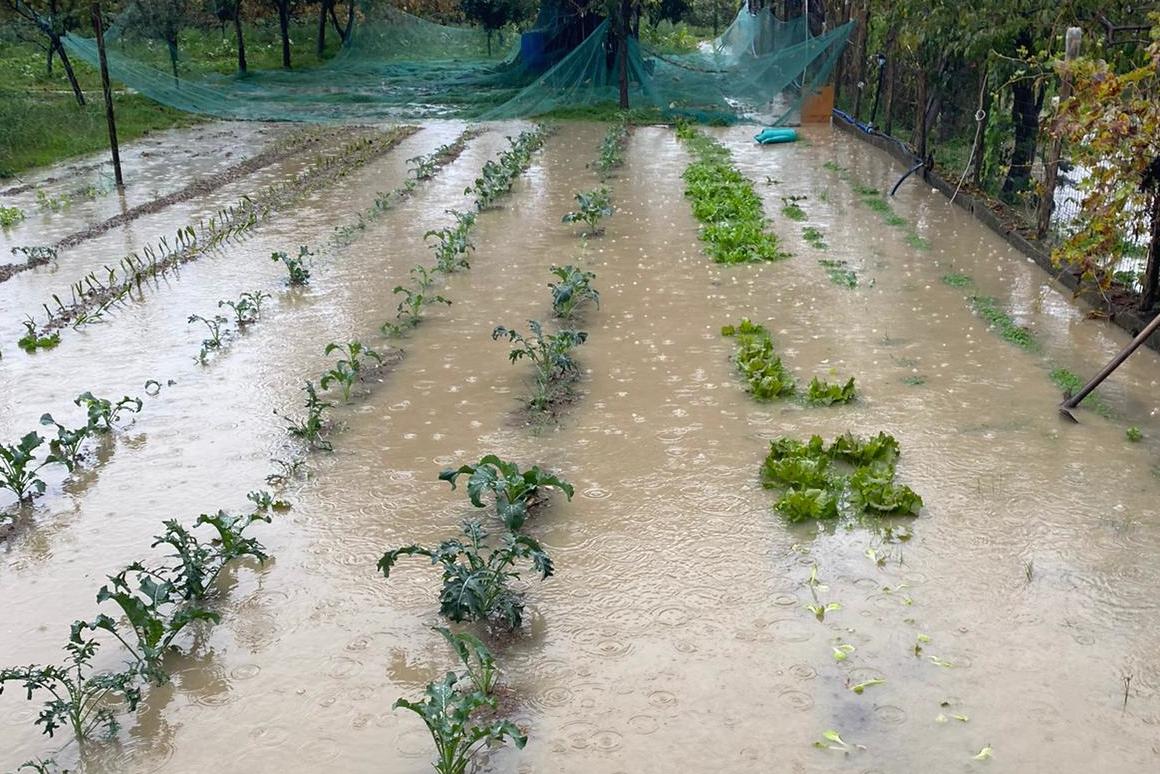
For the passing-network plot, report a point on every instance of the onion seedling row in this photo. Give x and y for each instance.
(95, 294)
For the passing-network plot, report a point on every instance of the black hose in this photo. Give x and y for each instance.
(909, 172)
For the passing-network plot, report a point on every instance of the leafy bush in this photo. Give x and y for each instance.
(477, 576)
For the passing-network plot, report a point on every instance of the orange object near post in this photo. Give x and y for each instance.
(817, 107)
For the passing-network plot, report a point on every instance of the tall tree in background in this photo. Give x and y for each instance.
(326, 9)
(231, 11)
(161, 20)
(493, 15)
(285, 9)
(47, 22)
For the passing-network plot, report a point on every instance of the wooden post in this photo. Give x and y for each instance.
(99, 29)
(1051, 164)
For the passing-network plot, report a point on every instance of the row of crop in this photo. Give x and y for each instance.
(734, 227)
(480, 566)
(768, 378)
(96, 293)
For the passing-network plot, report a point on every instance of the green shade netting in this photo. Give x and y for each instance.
(398, 66)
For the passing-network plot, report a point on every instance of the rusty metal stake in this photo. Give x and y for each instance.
(1066, 407)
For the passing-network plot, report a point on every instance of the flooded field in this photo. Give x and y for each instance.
(1010, 624)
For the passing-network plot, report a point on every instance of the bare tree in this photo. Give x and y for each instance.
(49, 21)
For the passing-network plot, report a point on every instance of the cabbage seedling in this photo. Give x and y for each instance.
(513, 490)
(592, 206)
(102, 413)
(410, 310)
(572, 291)
(18, 468)
(312, 428)
(450, 715)
(216, 336)
(347, 370)
(65, 449)
(477, 575)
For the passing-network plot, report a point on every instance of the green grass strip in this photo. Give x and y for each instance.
(730, 211)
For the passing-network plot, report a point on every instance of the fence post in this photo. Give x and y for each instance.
(98, 28)
(1051, 164)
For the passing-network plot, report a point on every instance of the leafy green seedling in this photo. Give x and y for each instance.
(451, 716)
(842, 652)
(81, 698)
(10, 216)
(957, 280)
(513, 490)
(919, 641)
(65, 449)
(839, 272)
(297, 273)
(592, 207)
(452, 245)
(32, 340)
(18, 468)
(550, 354)
(815, 238)
(874, 489)
(103, 413)
(1133, 434)
(313, 427)
(477, 575)
(798, 505)
(819, 610)
(347, 370)
(248, 308)
(265, 501)
(832, 740)
(410, 310)
(216, 336)
(572, 291)
(476, 658)
(757, 362)
(983, 754)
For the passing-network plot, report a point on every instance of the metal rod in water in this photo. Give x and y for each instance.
(1112, 365)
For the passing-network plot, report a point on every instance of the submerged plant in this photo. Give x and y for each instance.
(297, 273)
(476, 658)
(612, 149)
(550, 354)
(513, 489)
(572, 291)
(248, 308)
(216, 337)
(791, 209)
(102, 413)
(1133, 434)
(81, 698)
(451, 716)
(839, 272)
(32, 339)
(312, 428)
(65, 449)
(348, 370)
(477, 575)
(452, 244)
(815, 487)
(825, 394)
(410, 310)
(18, 468)
(10, 216)
(815, 238)
(591, 208)
(762, 368)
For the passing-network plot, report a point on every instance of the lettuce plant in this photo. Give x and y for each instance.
(825, 394)
(767, 378)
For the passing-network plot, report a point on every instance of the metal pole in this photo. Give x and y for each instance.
(1116, 362)
(98, 28)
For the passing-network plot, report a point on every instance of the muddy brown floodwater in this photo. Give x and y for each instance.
(674, 635)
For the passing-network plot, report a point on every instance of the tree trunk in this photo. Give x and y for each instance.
(622, 50)
(321, 28)
(920, 113)
(284, 27)
(172, 46)
(51, 51)
(241, 39)
(1025, 115)
(890, 82)
(1152, 271)
(68, 71)
(349, 22)
(858, 54)
(981, 131)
